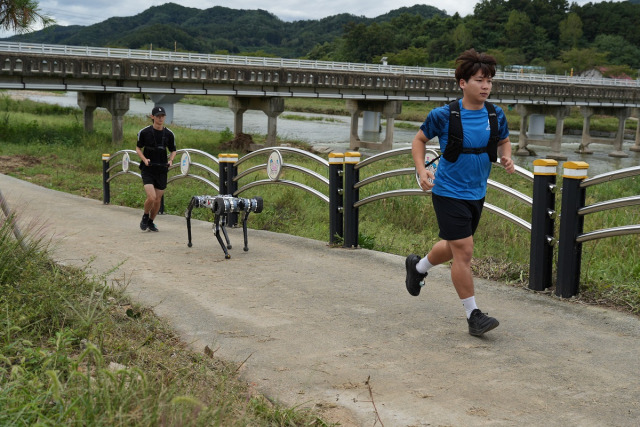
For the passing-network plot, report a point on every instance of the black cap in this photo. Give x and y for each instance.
(158, 111)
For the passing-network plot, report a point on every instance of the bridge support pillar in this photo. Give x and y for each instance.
(87, 103)
(587, 112)
(636, 115)
(622, 113)
(389, 109)
(536, 125)
(371, 122)
(559, 112)
(167, 102)
(271, 106)
(116, 103)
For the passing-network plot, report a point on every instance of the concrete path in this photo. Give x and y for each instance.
(314, 324)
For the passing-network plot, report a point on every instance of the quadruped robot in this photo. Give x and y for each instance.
(223, 206)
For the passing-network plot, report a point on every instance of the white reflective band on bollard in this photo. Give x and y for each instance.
(351, 157)
(575, 170)
(336, 158)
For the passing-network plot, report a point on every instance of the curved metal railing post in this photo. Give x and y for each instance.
(351, 196)
(571, 226)
(543, 214)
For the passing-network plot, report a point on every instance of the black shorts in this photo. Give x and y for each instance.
(155, 176)
(457, 219)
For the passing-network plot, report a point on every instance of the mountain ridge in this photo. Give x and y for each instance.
(217, 29)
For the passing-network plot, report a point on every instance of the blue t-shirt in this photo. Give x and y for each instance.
(467, 177)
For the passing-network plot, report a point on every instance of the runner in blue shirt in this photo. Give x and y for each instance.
(459, 187)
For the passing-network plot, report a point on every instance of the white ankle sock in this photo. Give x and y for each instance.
(423, 265)
(469, 305)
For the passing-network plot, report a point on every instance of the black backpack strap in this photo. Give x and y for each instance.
(492, 146)
(456, 136)
(454, 142)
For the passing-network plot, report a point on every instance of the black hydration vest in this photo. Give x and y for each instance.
(454, 143)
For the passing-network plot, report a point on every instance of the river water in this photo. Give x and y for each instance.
(332, 132)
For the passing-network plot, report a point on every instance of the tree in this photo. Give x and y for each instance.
(619, 50)
(570, 31)
(581, 60)
(462, 38)
(21, 15)
(362, 43)
(411, 57)
(518, 29)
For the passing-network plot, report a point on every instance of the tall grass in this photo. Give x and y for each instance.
(399, 225)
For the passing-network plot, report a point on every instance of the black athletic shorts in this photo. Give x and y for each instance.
(457, 218)
(155, 176)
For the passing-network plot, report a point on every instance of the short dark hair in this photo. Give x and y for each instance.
(470, 62)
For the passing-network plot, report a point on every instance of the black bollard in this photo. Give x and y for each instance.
(543, 216)
(336, 193)
(571, 226)
(351, 195)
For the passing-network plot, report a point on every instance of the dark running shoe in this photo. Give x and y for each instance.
(152, 226)
(144, 224)
(414, 280)
(479, 323)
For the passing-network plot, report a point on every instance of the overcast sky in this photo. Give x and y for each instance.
(83, 12)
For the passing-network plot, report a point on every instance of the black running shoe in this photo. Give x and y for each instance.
(144, 224)
(414, 279)
(479, 323)
(152, 226)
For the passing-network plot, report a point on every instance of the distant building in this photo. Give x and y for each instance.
(604, 72)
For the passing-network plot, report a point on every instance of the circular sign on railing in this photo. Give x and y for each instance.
(125, 162)
(185, 162)
(274, 165)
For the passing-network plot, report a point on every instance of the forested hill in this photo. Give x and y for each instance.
(553, 35)
(217, 29)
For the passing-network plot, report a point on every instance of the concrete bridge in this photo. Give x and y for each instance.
(106, 77)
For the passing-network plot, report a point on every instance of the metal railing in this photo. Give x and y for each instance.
(120, 162)
(572, 221)
(343, 184)
(274, 167)
(353, 184)
(282, 166)
(159, 55)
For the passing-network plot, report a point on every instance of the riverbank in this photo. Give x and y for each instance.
(327, 132)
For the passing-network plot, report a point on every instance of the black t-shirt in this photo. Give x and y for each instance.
(154, 144)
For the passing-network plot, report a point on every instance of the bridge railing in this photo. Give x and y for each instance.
(159, 55)
(574, 210)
